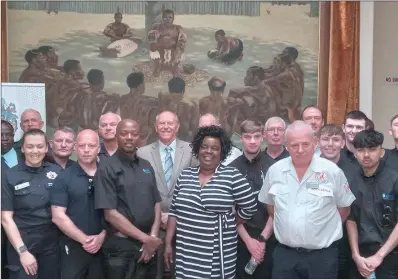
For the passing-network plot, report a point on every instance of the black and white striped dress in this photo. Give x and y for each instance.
(204, 214)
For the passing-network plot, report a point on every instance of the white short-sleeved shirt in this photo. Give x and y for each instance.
(306, 212)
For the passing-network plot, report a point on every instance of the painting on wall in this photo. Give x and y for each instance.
(237, 60)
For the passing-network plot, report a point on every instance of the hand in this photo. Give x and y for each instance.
(362, 266)
(163, 221)
(256, 249)
(93, 243)
(374, 261)
(29, 263)
(168, 256)
(146, 256)
(151, 244)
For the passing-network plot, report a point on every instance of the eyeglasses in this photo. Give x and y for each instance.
(387, 212)
(90, 190)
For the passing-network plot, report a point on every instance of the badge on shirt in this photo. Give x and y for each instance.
(321, 177)
(312, 185)
(387, 197)
(51, 175)
(347, 187)
(147, 171)
(321, 192)
(21, 186)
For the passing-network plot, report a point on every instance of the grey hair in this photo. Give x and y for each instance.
(274, 119)
(298, 125)
(65, 130)
(109, 113)
(175, 115)
(31, 110)
(211, 115)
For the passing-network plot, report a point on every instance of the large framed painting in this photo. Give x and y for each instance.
(236, 60)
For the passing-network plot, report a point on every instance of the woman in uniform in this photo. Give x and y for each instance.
(202, 211)
(32, 250)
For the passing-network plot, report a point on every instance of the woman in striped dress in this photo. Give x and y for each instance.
(201, 213)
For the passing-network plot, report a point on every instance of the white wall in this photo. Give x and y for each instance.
(378, 61)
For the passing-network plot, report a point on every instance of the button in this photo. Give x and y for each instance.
(42, 198)
(369, 202)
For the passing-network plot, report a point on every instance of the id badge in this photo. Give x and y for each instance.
(312, 185)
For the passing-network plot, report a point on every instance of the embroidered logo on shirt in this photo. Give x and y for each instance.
(51, 175)
(147, 171)
(347, 187)
(321, 177)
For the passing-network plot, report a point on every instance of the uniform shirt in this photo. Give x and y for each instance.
(391, 158)
(235, 153)
(348, 155)
(103, 153)
(69, 163)
(163, 152)
(128, 185)
(26, 192)
(373, 194)
(254, 171)
(10, 158)
(74, 190)
(306, 212)
(281, 156)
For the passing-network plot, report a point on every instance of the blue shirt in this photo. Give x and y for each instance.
(162, 150)
(11, 158)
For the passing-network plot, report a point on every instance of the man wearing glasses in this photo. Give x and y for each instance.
(274, 135)
(73, 211)
(372, 225)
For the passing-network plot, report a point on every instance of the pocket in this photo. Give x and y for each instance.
(22, 192)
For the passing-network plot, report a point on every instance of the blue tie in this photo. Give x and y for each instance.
(168, 166)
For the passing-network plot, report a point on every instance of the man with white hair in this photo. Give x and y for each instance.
(107, 131)
(30, 119)
(209, 119)
(309, 198)
(274, 135)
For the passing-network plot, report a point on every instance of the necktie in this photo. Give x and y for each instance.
(168, 166)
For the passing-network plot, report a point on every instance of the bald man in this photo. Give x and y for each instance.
(125, 188)
(74, 213)
(168, 157)
(210, 120)
(30, 119)
(107, 131)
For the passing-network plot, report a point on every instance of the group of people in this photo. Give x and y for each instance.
(319, 202)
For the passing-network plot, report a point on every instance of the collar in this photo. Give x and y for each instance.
(79, 170)
(379, 170)
(256, 159)
(25, 167)
(124, 158)
(283, 152)
(313, 166)
(103, 150)
(173, 145)
(10, 152)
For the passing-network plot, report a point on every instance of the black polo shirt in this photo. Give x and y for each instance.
(102, 154)
(391, 157)
(26, 191)
(128, 185)
(349, 168)
(373, 194)
(254, 171)
(281, 156)
(74, 190)
(69, 163)
(348, 155)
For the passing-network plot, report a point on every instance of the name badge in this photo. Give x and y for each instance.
(21, 186)
(388, 197)
(312, 185)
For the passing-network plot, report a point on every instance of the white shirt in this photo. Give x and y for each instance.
(235, 153)
(305, 213)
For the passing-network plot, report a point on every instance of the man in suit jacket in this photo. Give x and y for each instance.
(168, 156)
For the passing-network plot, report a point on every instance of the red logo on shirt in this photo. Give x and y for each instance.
(320, 176)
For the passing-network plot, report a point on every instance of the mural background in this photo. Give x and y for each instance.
(265, 28)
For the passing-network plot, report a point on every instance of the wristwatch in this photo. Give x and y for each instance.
(261, 238)
(22, 249)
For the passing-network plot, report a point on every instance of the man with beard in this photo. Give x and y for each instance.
(274, 135)
(107, 131)
(313, 115)
(74, 213)
(167, 44)
(372, 225)
(392, 154)
(257, 97)
(125, 188)
(62, 145)
(331, 142)
(354, 122)
(255, 236)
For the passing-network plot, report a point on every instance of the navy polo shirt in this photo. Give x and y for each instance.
(26, 192)
(74, 190)
(102, 154)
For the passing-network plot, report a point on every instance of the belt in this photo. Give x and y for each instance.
(305, 250)
(119, 234)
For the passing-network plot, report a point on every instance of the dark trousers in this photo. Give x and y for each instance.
(4, 270)
(121, 260)
(345, 259)
(76, 263)
(388, 269)
(44, 246)
(264, 269)
(289, 263)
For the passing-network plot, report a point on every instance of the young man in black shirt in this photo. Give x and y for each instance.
(392, 154)
(255, 235)
(73, 211)
(372, 225)
(125, 188)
